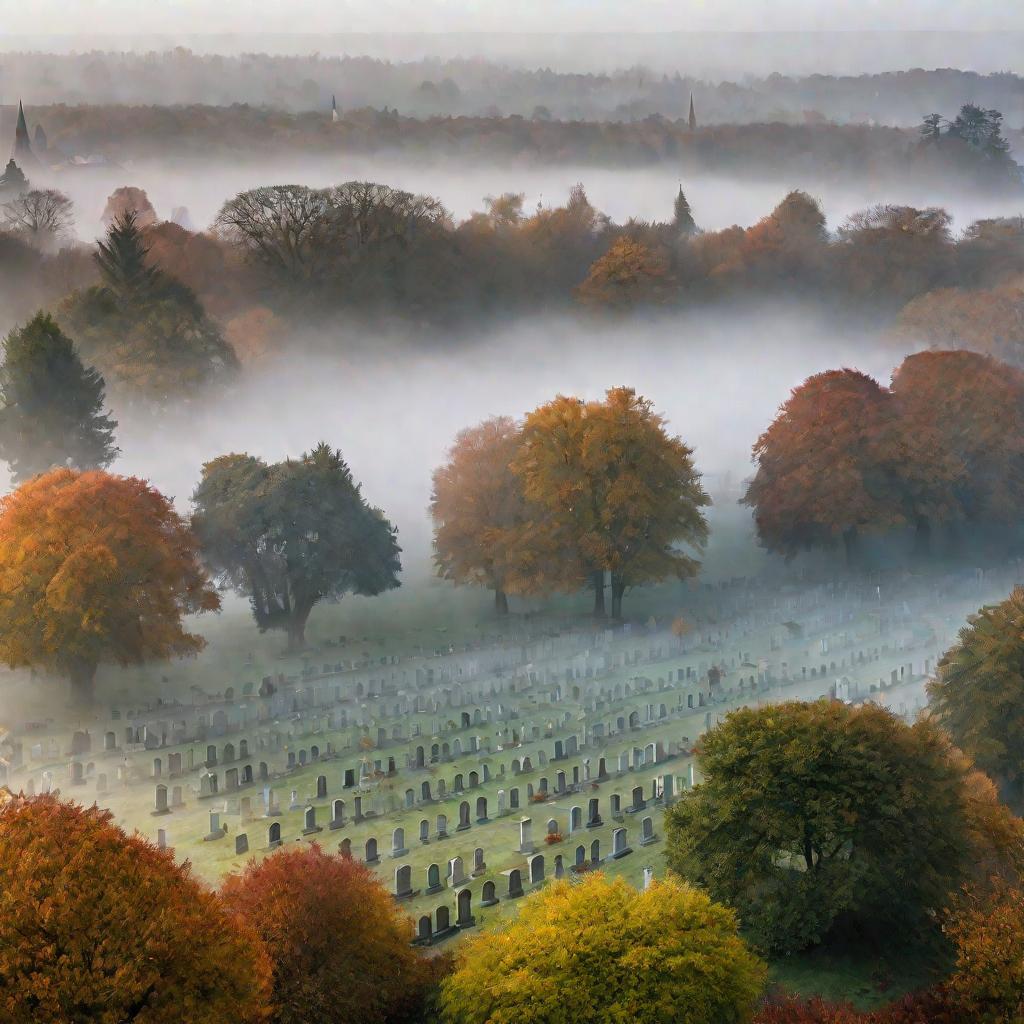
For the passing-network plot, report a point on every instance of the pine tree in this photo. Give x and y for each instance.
(13, 179)
(122, 261)
(683, 218)
(51, 405)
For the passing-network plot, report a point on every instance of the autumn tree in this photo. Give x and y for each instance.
(989, 321)
(478, 509)
(887, 254)
(338, 947)
(129, 200)
(143, 329)
(292, 534)
(600, 952)
(821, 821)
(825, 471)
(629, 274)
(789, 244)
(44, 217)
(987, 982)
(51, 406)
(978, 692)
(97, 925)
(961, 417)
(95, 568)
(615, 493)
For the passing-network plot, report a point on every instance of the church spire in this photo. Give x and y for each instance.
(693, 116)
(22, 146)
(334, 108)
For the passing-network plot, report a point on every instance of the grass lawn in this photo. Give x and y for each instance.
(866, 980)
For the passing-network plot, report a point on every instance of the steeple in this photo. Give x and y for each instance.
(22, 146)
(334, 108)
(693, 116)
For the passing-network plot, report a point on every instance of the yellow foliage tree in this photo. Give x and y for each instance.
(618, 493)
(600, 952)
(95, 567)
(629, 274)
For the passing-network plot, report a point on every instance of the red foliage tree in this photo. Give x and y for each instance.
(825, 468)
(339, 949)
(98, 926)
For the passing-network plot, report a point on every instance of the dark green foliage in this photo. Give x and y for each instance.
(51, 405)
(292, 534)
(683, 217)
(121, 258)
(820, 821)
(13, 180)
(978, 694)
(144, 329)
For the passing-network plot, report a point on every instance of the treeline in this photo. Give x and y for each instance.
(476, 87)
(939, 454)
(163, 311)
(815, 152)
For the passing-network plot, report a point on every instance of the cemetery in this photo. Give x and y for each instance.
(471, 773)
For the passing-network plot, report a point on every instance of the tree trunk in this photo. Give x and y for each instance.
(618, 589)
(922, 538)
(599, 594)
(297, 629)
(82, 676)
(851, 547)
(500, 601)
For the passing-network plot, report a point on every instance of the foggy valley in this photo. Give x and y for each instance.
(511, 516)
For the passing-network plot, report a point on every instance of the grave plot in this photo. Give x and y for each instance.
(468, 777)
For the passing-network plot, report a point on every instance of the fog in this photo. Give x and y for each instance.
(718, 379)
(718, 201)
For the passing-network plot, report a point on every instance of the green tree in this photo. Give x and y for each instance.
(682, 218)
(816, 821)
(51, 406)
(143, 329)
(292, 534)
(978, 692)
(600, 952)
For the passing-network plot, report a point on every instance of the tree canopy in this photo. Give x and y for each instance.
(478, 508)
(600, 952)
(819, 821)
(143, 329)
(978, 692)
(338, 947)
(95, 568)
(99, 926)
(823, 473)
(51, 406)
(615, 493)
(292, 534)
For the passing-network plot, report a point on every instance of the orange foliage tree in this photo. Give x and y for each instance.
(987, 982)
(618, 493)
(100, 926)
(962, 415)
(825, 470)
(339, 949)
(790, 243)
(629, 274)
(990, 321)
(95, 567)
(478, 508)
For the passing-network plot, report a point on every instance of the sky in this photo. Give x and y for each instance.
(278, 16)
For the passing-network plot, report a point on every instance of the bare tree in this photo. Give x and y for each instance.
(44, 216)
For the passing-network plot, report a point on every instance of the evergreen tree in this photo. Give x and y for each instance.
(122, 261)
(683, 218)
(13, 179)
(981, 129)
(931, 128)
(51, 405)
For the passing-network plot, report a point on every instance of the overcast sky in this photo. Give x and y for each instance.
(275, 16)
